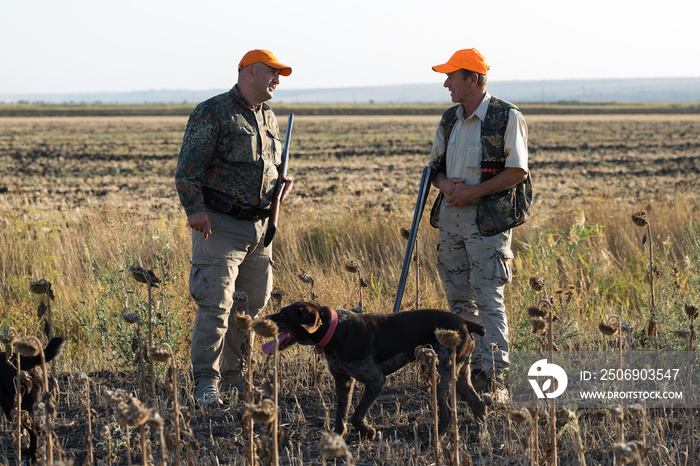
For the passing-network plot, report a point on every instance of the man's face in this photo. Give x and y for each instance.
(461, 87)
(265, 81)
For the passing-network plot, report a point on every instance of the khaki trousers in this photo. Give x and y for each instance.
(475, 269)
(231, 260)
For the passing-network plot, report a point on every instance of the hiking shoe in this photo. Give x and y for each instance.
(207, 395)
(491, 388)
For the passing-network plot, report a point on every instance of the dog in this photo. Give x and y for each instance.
(368, 347)
(8, 373)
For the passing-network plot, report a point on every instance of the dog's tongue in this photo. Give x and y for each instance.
(269, 347)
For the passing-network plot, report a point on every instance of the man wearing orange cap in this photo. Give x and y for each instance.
(479, 155)
(226, 175)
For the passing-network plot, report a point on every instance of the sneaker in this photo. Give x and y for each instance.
(208, 395)
(491, 387)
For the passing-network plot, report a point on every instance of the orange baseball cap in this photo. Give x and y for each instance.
(263, 56)
(468, 59)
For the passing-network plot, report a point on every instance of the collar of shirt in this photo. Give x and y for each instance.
(258, 111)
(236, 94)
(480, 112)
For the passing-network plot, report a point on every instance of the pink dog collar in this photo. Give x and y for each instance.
(329, 333)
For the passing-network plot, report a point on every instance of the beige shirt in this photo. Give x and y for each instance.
(464, 146)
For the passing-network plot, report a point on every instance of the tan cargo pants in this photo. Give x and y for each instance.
(232, 259)
(475, 269)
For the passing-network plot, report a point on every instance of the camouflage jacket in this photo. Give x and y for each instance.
(230, 147)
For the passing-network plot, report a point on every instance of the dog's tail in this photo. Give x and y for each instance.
(473, 327)
(52, 350)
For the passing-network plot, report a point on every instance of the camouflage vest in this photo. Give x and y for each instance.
(497, 212)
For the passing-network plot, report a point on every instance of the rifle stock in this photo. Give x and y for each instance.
(275, 205)
(423, 191)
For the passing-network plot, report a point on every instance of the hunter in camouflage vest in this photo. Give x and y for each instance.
(479, 157)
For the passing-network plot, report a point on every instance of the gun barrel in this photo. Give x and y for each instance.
(423, 191)
(275, 206)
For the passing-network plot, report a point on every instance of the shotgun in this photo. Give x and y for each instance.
(423, 191)
(275, 206)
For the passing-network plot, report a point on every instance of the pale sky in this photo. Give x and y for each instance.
(51, 46)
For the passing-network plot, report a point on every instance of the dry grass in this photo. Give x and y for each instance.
(86, 198)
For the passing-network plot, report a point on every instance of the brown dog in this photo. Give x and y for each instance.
(368, 347)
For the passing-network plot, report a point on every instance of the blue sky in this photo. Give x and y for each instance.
(98, 45)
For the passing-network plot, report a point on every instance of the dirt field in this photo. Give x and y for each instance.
(67, 164)
(64, 163)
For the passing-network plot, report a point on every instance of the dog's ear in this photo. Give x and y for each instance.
(310, 318)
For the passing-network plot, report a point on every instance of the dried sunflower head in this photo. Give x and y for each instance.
(691, 311)
(130, 317)
(616, 410)
(332, 445)
(448, 337)
(352, 266)
(240, 297)
(636, 409)
(520, 416)
(534, 311)
(630, 452)
(132, 413)
(116, 397)
(538, 324)
(82, 379)
(161, 353)
(265, 328)
(28, 346)
(565, 415)
(40, 286)
(155, 421)
(425, 355)
(142, 275)
(537, 283)
(608, 329)
(640, 218)
(405, 231)
(306, 277)
(277, 294)
(263, 413)
(243, 321)
(9, 336)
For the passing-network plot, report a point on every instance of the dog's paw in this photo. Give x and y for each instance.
(479, 410)
(366, 431)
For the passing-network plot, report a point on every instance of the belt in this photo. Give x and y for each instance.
(227, 205)
(248, 212)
